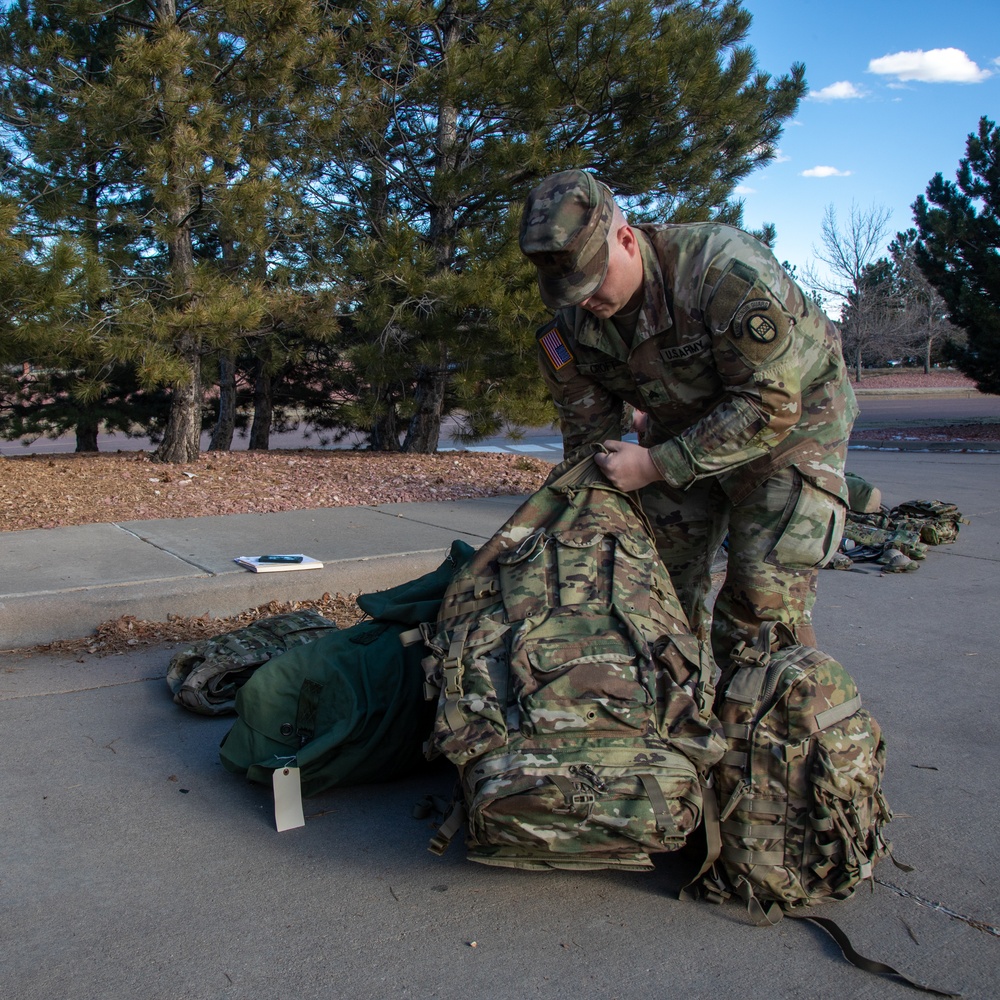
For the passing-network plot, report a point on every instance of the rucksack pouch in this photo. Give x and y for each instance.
(567, 671)
(603, 804)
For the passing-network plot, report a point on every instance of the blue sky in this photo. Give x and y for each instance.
(894, 90)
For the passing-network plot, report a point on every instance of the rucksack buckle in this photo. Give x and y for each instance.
(748, 655)
(791, 752)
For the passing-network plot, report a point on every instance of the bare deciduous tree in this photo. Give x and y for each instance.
(927, 319)
(854, 255)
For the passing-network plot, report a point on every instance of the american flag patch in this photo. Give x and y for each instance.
(554, 346)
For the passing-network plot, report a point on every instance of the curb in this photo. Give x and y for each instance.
(956, 392)
(78, 611)
(939, 447)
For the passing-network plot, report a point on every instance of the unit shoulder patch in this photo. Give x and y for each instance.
(759, 328)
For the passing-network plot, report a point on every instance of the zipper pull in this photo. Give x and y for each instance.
(589, 775)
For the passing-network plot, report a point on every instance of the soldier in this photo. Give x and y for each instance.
(744, 406)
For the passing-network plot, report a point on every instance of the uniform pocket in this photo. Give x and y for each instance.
(813, 530)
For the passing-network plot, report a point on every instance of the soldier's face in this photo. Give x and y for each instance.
(622, 285)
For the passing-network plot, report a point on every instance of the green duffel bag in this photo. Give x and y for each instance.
(205, 676)
(348, 708)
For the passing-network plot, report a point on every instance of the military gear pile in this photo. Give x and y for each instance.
(573, 697)
(895, 538)
(205, 676)
(801, 812)
(937, 521)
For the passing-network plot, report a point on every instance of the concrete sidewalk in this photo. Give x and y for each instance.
(132, 865)
(62, 583)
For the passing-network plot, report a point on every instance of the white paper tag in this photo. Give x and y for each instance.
(287, 799)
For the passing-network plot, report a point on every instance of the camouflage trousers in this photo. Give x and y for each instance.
(779, 537)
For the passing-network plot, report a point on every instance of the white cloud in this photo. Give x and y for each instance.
(742, 189)
(843, 90)
(932, 66)
(779, 157)
(825, 172)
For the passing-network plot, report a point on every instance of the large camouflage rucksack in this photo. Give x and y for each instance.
(206, 675)
(801, 812)
(572, 695)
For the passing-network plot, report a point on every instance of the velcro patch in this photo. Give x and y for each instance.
(729, 294)
(551, 339)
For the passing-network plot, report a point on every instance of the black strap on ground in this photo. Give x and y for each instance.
(869, 965)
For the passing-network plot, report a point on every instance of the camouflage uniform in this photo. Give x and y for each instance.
(748, 400)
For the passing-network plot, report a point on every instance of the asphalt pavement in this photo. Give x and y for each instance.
(132, 865)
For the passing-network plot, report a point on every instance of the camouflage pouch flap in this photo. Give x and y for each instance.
(471, 660)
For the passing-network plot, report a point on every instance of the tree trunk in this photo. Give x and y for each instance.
(225, 424)
(182, 435)
(86, 432)
(424, 431)
(384, 433)
(263, 407)
(857, 365)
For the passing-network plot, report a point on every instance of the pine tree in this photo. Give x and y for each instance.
(184, 84)
(959, 228)
(164, 141)
(62, 164)
(451, 109)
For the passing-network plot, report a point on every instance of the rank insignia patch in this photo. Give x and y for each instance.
(555, 348)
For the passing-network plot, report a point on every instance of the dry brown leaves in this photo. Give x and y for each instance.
(129, 632)
(40, 491)
(910, 379)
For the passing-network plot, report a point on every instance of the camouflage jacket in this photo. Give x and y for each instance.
(740, 373)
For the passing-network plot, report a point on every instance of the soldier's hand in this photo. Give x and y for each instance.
(627, 465)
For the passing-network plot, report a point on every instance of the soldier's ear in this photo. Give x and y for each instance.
(627, 238)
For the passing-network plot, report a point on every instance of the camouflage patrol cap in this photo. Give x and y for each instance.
(564, 233)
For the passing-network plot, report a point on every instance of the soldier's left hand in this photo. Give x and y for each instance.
(627, 465)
